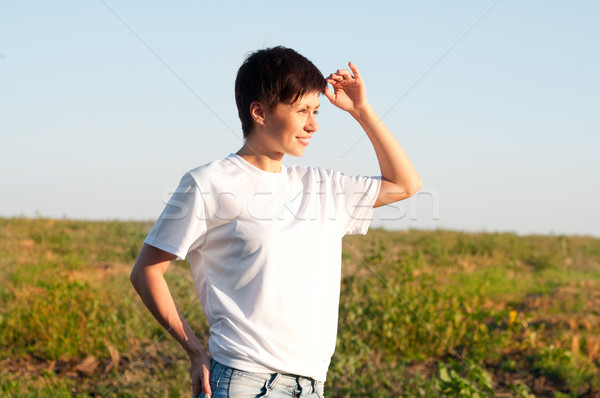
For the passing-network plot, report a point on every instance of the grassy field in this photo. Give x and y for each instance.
(422, 314)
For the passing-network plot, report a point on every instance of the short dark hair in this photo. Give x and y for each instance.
(271, 76)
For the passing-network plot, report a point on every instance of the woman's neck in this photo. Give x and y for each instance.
(270, 162)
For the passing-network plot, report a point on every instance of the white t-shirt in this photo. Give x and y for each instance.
(265, 253)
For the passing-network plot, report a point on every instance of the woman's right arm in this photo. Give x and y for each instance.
(148, 280)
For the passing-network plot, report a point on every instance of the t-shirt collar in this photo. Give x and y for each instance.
(250, 168)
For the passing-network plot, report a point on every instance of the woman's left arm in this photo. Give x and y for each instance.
(399, 179)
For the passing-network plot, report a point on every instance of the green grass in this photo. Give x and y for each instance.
(422, 314)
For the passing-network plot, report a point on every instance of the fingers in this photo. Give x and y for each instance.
(201, 388)
(201, 378)
(339, 76)
(196, 386)
(354, 69)
(334, 78)
(344, 75)
(328, 93)
(206, 384)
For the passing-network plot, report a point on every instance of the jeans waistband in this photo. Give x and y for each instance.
(285, 379)
(289, 380)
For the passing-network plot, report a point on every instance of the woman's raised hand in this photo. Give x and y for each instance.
(349, 93)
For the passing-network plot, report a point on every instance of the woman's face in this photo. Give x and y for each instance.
(288, 128)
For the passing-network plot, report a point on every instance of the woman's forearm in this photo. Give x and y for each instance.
(148, 280)
(400, 178)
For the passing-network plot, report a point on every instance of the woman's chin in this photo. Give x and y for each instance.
(296, 153)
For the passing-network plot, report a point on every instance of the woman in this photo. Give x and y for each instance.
(264, 240)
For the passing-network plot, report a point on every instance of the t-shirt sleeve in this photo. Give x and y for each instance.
(182, 224)
(355, 198)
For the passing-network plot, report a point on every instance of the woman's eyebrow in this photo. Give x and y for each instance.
(309, 106)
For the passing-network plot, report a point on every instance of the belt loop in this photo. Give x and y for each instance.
(274, 380)
(270, 384)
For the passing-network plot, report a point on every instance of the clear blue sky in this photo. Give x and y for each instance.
(504, 127)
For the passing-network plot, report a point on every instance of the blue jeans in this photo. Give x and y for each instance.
(226, 382)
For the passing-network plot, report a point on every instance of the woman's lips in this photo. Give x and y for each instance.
(303, 141)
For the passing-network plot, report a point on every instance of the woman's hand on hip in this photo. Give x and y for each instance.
(200, 364)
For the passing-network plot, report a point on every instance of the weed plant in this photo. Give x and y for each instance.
(422, 314)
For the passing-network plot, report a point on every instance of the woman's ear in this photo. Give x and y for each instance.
(257, 112)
